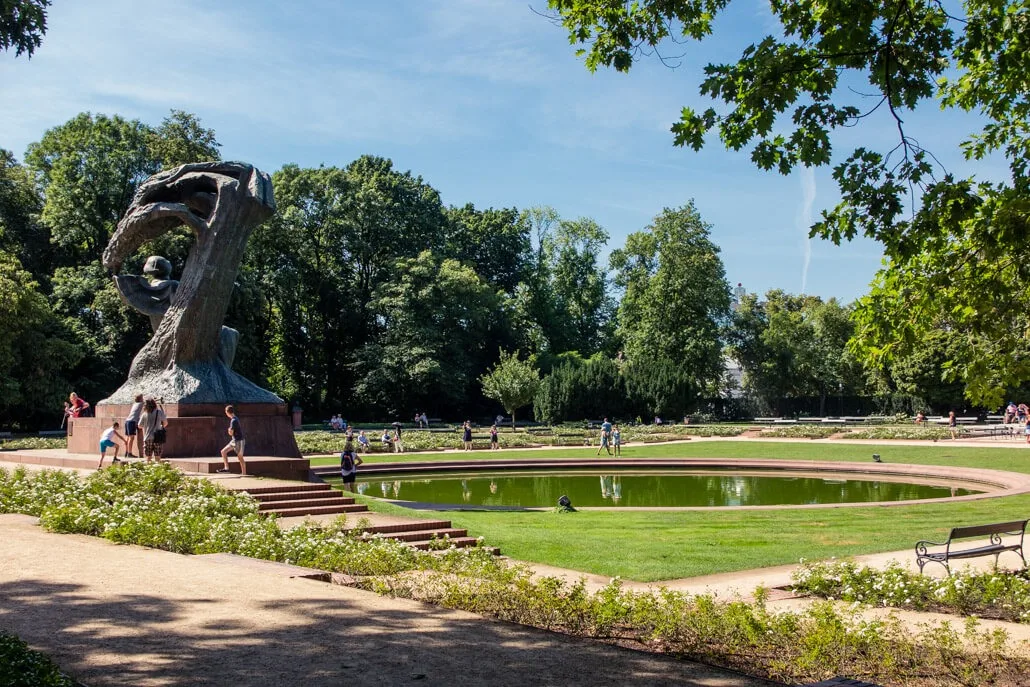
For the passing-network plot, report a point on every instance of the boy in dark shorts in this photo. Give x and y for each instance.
(236, 442)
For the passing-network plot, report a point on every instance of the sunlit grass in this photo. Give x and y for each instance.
(650, 546)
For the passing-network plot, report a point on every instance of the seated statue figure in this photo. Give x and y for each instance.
(153, 293)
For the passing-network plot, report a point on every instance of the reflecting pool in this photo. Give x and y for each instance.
(648, 489)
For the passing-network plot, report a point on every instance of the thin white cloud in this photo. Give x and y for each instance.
(807, 176)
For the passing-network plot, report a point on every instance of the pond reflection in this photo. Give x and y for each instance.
(650, 489)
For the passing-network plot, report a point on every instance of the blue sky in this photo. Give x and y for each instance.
(484, 99)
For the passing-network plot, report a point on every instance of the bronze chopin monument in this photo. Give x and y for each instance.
(187, 362)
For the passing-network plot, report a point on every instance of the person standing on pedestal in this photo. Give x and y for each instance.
(132, 427)
(154, 424)
(236, 442)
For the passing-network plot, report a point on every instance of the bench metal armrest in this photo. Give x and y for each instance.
(922, 544)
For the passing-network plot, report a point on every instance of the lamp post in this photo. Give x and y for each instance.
(840, 387)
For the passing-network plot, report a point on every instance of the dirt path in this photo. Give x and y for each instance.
(126, 615)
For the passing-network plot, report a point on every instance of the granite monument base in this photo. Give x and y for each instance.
(197, 430)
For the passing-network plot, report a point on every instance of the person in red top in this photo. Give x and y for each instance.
(75, 407)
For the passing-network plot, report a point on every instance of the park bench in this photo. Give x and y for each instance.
(1004, 536)
(993, 431)
(6, 435)
(52, 433)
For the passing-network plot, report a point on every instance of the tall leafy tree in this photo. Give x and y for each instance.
(335, 241)
(568, 288)
(390, 214)
(303, 258)
(921, 377)
(181, 139)
(35, 351)
(433, 319)
(87, 171)
(956, 247)
(675, 296)
(495, 242)
(793, 347)
(512, 382)
(21, 232)
(22, 25)
(579, 285)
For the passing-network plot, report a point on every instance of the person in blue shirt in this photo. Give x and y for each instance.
(606, 437)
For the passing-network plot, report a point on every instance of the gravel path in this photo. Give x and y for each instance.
(127, 615)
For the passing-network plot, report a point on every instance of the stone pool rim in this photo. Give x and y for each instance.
(998, 483)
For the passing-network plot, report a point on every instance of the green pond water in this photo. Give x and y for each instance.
(643, 489)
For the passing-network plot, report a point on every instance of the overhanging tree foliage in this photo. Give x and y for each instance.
(956, 247)
(22, 25)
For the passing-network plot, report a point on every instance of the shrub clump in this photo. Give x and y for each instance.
(997, 594)
(155, 505)
(802, 431)
(794, 647)
(902, 432)
(36, 443)
(20, 666)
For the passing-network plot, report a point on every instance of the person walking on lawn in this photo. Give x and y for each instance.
(606, 437)
(107, 441)
(236, 442)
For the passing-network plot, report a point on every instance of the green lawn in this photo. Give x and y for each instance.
(650, 546)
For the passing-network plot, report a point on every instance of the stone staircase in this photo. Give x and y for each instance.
(424, 534)
(299, 499)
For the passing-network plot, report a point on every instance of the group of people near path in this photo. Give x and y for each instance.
(611, 438)
(146, 430)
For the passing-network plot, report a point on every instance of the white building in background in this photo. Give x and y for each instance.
(738, 295)
(733, 377)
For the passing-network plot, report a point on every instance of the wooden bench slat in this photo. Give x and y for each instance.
(1014, 527)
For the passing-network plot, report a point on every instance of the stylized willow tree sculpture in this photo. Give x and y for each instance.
(221, 202)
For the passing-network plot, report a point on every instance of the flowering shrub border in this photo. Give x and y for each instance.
(998, 594)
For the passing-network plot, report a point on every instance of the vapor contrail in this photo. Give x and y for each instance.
(805, 220)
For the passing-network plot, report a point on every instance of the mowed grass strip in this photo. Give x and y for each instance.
(654, 546)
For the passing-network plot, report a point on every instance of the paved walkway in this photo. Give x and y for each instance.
(126, 615)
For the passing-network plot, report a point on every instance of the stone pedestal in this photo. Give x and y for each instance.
(197, 430)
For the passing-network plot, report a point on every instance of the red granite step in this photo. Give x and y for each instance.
(409, 526)
(299, 496)
(294, 487)
(459, 542)
(423, 535)
(279, 506)
(320, 510)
